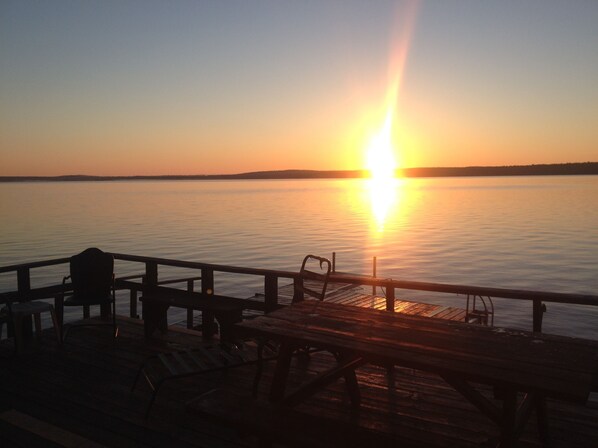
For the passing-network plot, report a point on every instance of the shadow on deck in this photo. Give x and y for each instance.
(79, 395)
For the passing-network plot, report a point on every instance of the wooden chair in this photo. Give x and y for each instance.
(92, 277)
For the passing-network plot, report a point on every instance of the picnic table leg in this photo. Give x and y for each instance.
(208, 324)
(351, 382)
(281, 373)
(226, 321)
(154, 316)
(509, 419)
(542, 417)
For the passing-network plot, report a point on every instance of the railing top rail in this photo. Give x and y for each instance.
(34, 264)
(199, 265)
(517, 294)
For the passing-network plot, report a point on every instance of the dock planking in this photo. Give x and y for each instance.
(355, 295)
(82, 389)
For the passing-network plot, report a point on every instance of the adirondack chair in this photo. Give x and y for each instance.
(92, 277)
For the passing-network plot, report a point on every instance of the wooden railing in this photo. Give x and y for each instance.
(149, 278)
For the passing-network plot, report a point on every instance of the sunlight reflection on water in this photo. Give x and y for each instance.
(517, 232)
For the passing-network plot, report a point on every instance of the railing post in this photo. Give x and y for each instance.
(207, 281)
(189, 310)
(539, 309)
(150, 281)
(390, 297)
(23, 287)
(270, 292)
(151, 274)
(23, 282)
(133, 304)
(208, 324)
(297, 289)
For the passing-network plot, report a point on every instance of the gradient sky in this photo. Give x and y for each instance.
(206, 87)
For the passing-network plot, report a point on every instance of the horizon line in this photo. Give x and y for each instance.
(567, 168)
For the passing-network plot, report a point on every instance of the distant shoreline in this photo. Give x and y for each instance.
(559, 169)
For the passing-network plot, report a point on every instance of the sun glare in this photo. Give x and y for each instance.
(381, 161)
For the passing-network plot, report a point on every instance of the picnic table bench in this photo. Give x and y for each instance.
(226, 310)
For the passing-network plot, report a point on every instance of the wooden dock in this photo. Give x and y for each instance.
(78, 394)
(356, 295)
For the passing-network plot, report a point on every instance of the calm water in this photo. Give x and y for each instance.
(517, 232)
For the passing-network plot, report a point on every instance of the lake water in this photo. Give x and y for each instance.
(513, 232)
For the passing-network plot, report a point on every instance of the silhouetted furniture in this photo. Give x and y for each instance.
(517, 362)
(92, 278)
(156, 370)
(312, 283)
(157, 300)
(16, 313)
(169, 366)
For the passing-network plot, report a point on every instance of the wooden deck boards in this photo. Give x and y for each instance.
(82, 389)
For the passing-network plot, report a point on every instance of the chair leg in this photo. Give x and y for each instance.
(57, 329)
(137, 378)
(151, 402)
(18, 329)
(114, 327)
(259, 368)
(38, 326)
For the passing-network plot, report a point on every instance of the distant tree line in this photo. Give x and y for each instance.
(585, 168)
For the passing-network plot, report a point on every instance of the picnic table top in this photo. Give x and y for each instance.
(557, 366)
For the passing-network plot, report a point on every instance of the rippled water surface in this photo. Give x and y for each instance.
(513, 232)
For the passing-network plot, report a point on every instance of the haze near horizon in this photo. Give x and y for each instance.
(152, 88)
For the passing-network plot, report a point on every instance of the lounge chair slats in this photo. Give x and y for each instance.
(167, 366)
(181, 362)
(165, 361)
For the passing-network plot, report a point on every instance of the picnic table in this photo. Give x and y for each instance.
(523, 367)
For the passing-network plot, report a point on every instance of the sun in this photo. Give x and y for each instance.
(381, 161)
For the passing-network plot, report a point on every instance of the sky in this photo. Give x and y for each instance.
(216, 87)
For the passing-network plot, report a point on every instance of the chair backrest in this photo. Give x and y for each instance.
(313, 283)
(92, 273)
